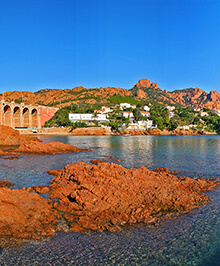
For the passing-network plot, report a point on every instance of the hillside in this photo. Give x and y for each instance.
(144, 90)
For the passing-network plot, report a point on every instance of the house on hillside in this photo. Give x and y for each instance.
(106, 109)
(215, 112)
(141, 125)
(203, 113)
(146, 108)
(74, 117)
(125, 105)
(127, 114)
(171, 114)
(145, 114)
(170, 108)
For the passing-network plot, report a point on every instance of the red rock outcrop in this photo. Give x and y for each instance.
(25, 215)
(9, 136)
(97, 197)
(194, 97)
(106, 196)
(155, 132)
(33, 146)
(141, 94)
(143, 83)
(30, 144)
(134, 132)
(89, 131)
(5, 183)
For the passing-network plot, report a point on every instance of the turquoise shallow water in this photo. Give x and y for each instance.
(190, 239)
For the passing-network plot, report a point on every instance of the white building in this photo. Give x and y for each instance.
(144, 113)
(106, 109)
(73, 117)
(216, 112)
(127, 114)
(125, 105)
(170, 108)
(146, 108)
(133, 106)
(99, 111)
(203, 113)
(141, 125)
(171, 114)
(197, 109)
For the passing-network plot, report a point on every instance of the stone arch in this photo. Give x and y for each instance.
(26, 117)
(34, 115)
(7, 115)
(17, 116)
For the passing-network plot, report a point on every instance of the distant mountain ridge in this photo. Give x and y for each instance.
(144, 90)
(194, 97)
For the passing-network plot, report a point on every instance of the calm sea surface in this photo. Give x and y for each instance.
(190, 239)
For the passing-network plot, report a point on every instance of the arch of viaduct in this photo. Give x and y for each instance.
(24, 116)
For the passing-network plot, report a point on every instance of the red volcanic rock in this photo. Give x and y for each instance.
(9, 136)
(166, 171)
(39, 189)
(96, 161)
(25, 215)
(134, 132)
(89, 131)
(32, 145)
(156, 132)
(106, 196)
(154, 85)
(53, 172)
(141, 94)
(5, 183)
(143, 83)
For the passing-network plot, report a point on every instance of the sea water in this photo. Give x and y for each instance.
(189, 239)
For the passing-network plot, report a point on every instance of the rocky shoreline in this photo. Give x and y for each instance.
(97, 197)
(12, 143)
(98, 131)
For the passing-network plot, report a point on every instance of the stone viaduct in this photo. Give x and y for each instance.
(23, 115)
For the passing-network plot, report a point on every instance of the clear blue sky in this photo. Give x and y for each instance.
(98, 43)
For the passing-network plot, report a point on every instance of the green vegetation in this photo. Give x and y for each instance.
(158, 114)
(116, 99)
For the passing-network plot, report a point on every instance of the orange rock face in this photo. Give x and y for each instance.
(143, 83)
(9, 136)
(30, 144)
(25, 215)
(156, 132)
(89, 131)
(106, 196)
(134, 132)
(97, 197)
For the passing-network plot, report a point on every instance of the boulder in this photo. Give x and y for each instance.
(9, 136)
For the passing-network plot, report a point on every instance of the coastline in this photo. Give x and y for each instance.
(97, 132)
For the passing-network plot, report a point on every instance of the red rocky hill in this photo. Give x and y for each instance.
(143, 90)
